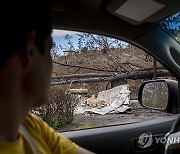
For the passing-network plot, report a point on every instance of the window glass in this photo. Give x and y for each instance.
(172, 25)
(95, 82)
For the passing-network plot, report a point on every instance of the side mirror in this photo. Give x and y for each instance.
(155, 95)
(160, 95)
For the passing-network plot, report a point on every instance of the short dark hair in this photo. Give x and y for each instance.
(21, 17)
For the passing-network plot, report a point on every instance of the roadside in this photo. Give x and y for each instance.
(136, 114)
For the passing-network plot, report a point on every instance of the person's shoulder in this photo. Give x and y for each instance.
(33, 121)
(31, 116)
(40, 129)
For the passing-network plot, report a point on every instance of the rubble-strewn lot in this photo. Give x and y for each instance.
(137, 114)
(119, 59)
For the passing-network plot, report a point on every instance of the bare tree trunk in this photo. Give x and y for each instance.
(67, 76)
(154, 69)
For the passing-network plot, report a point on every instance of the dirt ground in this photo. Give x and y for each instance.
(136, 114)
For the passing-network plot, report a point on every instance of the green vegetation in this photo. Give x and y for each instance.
(60, 108)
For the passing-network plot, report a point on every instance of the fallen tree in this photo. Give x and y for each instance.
(83, 75)
(128, 75)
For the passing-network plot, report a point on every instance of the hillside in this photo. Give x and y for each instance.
(119, 60)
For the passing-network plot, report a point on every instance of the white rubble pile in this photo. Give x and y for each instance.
(115, 100)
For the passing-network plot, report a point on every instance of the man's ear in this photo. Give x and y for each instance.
(27, 55)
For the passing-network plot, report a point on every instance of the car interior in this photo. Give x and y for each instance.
(136, 22)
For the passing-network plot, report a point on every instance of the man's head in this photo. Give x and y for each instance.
(18, 19)
(26, 43)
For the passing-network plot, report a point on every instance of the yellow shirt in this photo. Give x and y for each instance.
(45, 138)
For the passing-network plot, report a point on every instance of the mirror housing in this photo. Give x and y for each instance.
(160, 95)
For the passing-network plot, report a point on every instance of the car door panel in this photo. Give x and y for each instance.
(121, 138)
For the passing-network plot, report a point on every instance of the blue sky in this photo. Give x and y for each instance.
(58, 37)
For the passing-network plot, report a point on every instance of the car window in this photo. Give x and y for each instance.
(172, 25)
(95, 82)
